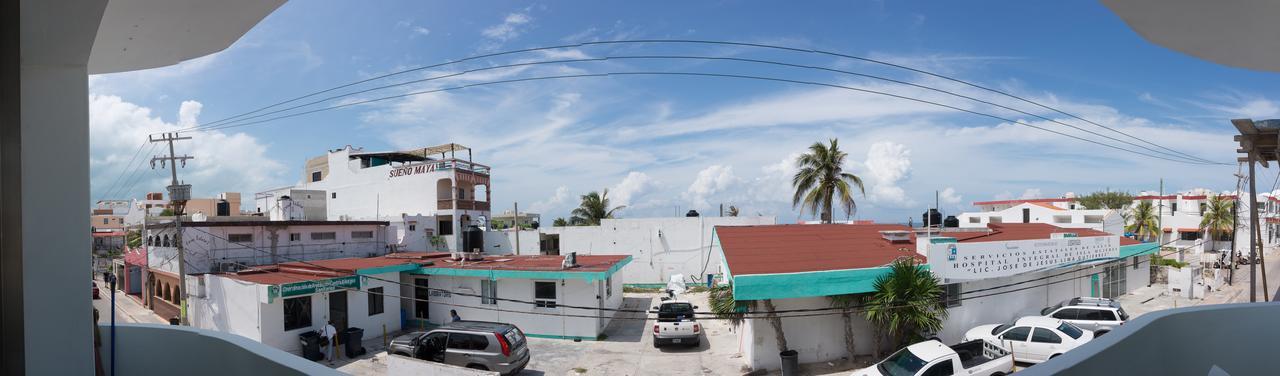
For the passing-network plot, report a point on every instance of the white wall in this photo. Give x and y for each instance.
(203, 249)
(537, 321)
(684, 247)
(1111, 221)
(228, 305)
(815, 338)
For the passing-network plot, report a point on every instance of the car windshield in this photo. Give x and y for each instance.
(1123, 316)
(1046, 311)
(901, 363)
(1071, 330)
(676, 308)
(1000, 328)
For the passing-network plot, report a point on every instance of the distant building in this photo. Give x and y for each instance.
(508, 220)
(1058, 212)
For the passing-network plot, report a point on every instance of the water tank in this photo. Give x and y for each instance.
(691, 213)
(224, 208)
(933, 217)
(951, 221)
(473, 239)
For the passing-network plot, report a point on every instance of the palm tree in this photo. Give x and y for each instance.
(1143, 222)
(1219, 218)
(723, 305)
(559, 222)
(733, 211)
(821, 180)
(846, 303)
(594, 207)
(906, 302)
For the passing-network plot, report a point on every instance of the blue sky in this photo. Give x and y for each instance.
(664, 144)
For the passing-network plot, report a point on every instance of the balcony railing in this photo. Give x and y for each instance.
(149, 349)
(1235, 339)
(446, 204)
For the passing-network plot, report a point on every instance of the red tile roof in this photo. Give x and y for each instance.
(770, 249)
(773, 249)
(272, 276)
(290, 272)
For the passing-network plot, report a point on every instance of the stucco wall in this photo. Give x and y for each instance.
(203, 249)
(555, 322)
(684, 246)
(228, 305)
(815, 338)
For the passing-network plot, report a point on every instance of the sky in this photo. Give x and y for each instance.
(663, 144)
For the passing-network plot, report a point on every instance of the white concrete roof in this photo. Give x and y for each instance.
(1040, 321)
(1235, 33)
(142, 34)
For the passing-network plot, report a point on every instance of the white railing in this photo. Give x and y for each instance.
(150, 349)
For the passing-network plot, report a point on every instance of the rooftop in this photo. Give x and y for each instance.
(290, 272)
(1026, 200)
(586, 263)
(264, 222)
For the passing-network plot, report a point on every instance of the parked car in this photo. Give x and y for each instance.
(932, 358)
(473, 344)
(676, 324)
(1101, 315)
(1033, 339)
(96, 293)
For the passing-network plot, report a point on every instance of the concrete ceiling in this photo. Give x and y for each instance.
(143, 34)
(1237, 33)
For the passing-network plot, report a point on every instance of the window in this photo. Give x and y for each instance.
(488, 292)
(413, 226)
(608, 286)
(240, 238)
(1043, 335)
(465, 341)
(1067, 314)
(446, 227)
(975, 219)
(375, 301)
(1135, 262)
(323, 236)
(940, 369)
(1093, 219)
(362, 234)
(420, 295)
(106, 221)
(1017, 334)
(334, 195)
(297, 312)
(951, 295)
(315, 176)
(1070, 330)
(1106, 315)
(1174, 206)
(1061, 219)
(294, 237)
(544, 294)
(996, 220)
(1188, 235)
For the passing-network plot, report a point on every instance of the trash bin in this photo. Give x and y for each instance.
(790, 363)
(352, 338)
(311, 345)
(174, 321)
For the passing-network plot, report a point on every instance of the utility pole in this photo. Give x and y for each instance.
(516, 221)
(178, 195)
(1253, 223)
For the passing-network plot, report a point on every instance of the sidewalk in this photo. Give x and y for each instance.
(128, 309)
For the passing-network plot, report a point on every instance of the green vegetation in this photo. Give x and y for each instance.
(724, 307)
(821, 180)
(1219, 217)
(1106, 200)
(847, 303)
(559, 222)
(1143, 221)
(906, 302)
(133, 238)
(594, 207)
(1156, 260)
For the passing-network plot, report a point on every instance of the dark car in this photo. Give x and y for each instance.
(473, 344)
(96, 294)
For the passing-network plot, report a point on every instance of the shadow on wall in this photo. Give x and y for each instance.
(1223, 339)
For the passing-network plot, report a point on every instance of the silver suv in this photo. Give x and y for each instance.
(473, 344)
(1101, 315)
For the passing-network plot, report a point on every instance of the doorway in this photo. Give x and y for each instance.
(1026, 215)
(338, 309)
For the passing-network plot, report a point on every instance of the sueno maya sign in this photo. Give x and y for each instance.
(312, 287)
(416, 169)
(998, 259)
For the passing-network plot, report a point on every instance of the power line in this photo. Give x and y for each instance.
(127, 167)
(703, 74)
(687, 57)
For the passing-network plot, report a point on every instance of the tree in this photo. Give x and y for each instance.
(133, 239)
(906, 302)
(1219, 218)
(559, 222)
(724, 306)
(821, 180)
(846, 303)
(594, 207)
(1106, 200)
(166, 212)
(1143, 221)
(733, 211)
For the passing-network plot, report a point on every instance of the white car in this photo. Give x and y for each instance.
(932, 358)
(1033, 339)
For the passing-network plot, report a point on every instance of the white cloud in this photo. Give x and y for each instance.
(233, 162)
(887, 165)
(949, 196)
(710, 181)
(510, 28)
(557, 199)
(627, 193)
(1031, 193)
(419, 30)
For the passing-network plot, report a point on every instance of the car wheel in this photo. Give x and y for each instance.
(1054, 356)
(1100, 333)
(998, 374)
(478, 366)
(655, 343)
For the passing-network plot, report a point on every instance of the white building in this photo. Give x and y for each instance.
(443, 193)
(798, 267)
(216, 246)
(660, 247)
(1061, 212)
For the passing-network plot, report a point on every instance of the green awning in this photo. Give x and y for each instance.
(496, 274)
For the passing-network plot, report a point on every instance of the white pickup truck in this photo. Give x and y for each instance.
(932, 358)
(676, 324)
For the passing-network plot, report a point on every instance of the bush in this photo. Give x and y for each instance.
(1156, 260)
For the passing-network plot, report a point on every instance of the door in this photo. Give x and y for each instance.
(1098, 319)
(432, 347)
(1026, 215)
(1114, 282)
(601, 298)
(1044, 342)
(466, 348)
(1015, 340)
(338, 309)
(421, 310)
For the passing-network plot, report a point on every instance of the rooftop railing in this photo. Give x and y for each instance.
(149, 349)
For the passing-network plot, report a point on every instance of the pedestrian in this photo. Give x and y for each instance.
(453, 313)
(329, 333)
